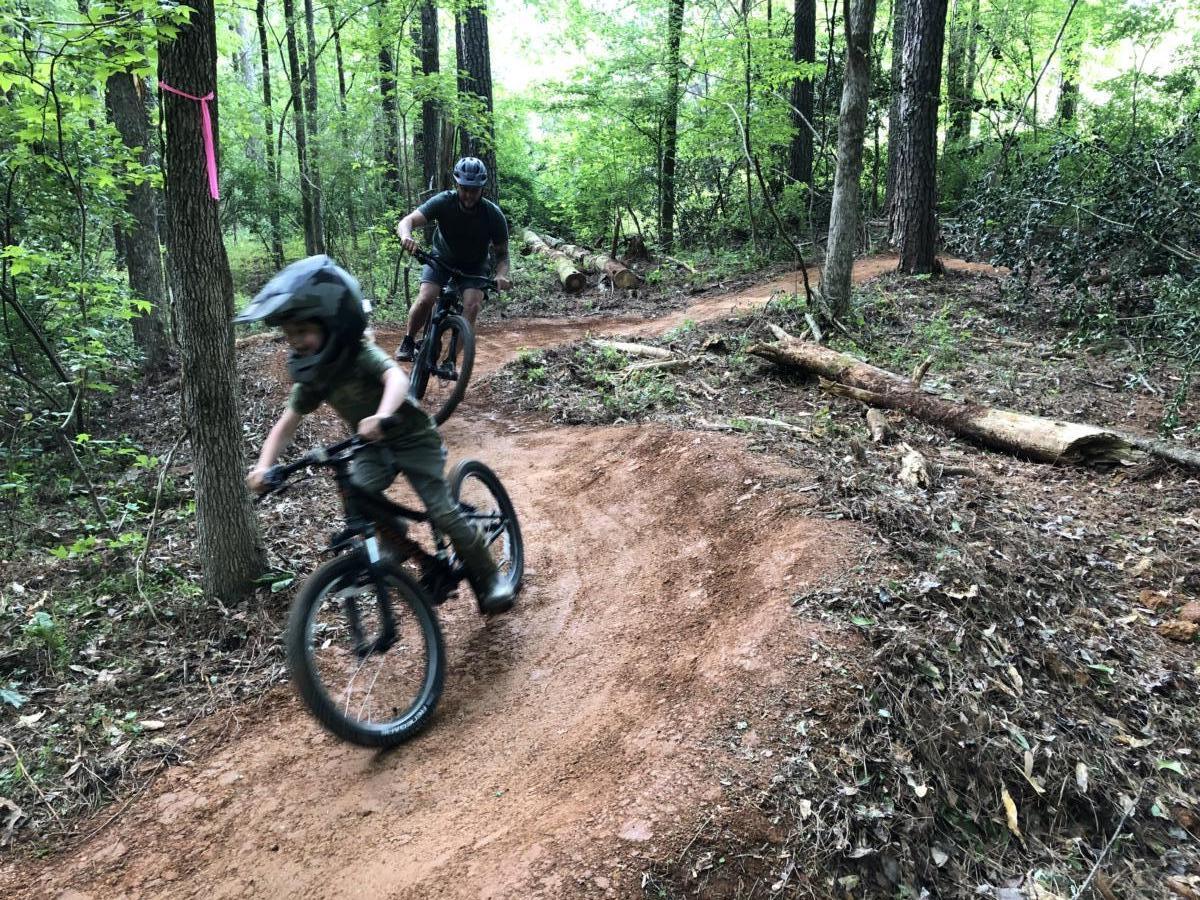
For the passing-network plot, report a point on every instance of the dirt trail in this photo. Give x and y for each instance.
(583, 729)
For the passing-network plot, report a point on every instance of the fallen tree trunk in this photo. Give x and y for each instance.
(632, 349)
(1046, 440)
(621, 276)
(570, 277)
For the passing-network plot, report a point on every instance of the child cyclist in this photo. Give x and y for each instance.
(319, 308)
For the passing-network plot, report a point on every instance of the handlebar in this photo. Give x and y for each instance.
(276, 477)
(432, 259)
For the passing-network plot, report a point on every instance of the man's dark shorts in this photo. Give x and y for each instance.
(439, 276)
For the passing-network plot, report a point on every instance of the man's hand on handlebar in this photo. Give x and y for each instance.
(503, 283)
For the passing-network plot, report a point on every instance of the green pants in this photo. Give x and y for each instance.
(421, 457)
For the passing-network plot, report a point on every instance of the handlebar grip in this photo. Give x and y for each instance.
(273, 477)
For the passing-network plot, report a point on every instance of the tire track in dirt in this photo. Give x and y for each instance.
(579, 731)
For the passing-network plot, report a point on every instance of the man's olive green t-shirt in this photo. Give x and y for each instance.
(355, 393)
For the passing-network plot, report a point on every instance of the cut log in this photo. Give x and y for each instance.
(572, 280)
(1038, 438)
(632, 349)
(621, 276)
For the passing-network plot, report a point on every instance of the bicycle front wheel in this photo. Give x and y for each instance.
(486, 505)
(446, 367)
(371, 682)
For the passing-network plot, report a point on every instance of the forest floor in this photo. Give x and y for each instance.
(747, 660)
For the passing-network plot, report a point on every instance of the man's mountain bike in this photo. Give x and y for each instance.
(445, 352)
(363, 642)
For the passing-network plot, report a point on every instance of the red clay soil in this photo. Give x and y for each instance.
(585, 728)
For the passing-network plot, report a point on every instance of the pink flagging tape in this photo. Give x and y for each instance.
(210, 154)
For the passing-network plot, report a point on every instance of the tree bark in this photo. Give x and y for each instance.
(843, 221)
(916, 157)
(666, 213)
(569, 277)
(294, 75)
(804, 50)
(1035, 437)
(899, 9)
(143, 256)
(476, 64)
(390, 128)
(431, 126)
(230, 548)
(310, 110)
(269, 129)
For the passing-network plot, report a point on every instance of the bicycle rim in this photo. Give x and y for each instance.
(487, 506)
(378, 698)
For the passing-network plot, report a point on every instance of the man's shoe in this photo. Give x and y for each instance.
(407, 349)
(497, 599)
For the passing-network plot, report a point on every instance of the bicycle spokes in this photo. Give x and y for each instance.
(371, 665)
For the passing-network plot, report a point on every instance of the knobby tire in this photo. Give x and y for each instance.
(414, 619)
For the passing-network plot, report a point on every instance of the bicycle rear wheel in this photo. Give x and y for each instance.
(374, 696)
(445, 368)
(486, 505)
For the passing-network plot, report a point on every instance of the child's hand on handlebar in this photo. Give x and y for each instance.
(257, 480)
(371, 428)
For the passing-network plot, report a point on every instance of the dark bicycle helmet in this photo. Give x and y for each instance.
(470, 172)
(314, 289)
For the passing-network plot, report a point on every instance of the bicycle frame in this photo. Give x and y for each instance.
(370, 515)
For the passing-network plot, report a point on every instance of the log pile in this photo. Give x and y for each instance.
(572, 280)
(568, 259)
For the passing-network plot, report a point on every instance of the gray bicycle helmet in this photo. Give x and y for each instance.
(470, 172)
(320, 290)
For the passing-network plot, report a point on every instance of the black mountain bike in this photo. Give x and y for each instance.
(363, 642)
(445, 353)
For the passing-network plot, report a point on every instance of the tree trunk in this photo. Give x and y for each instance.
(269, 129)
(569, 277)
(310, 109)
(960, 75)
(294, 75)
(747, 108)
(843, 222)
(390, 129)
(1045, 440)
(476, 64)
(804, 50)
(899, 9)
(666, 212)
(143, 257)
(431, 126)
(916, 157)
(230, 548)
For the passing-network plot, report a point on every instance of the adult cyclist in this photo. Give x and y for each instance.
(468, 224)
